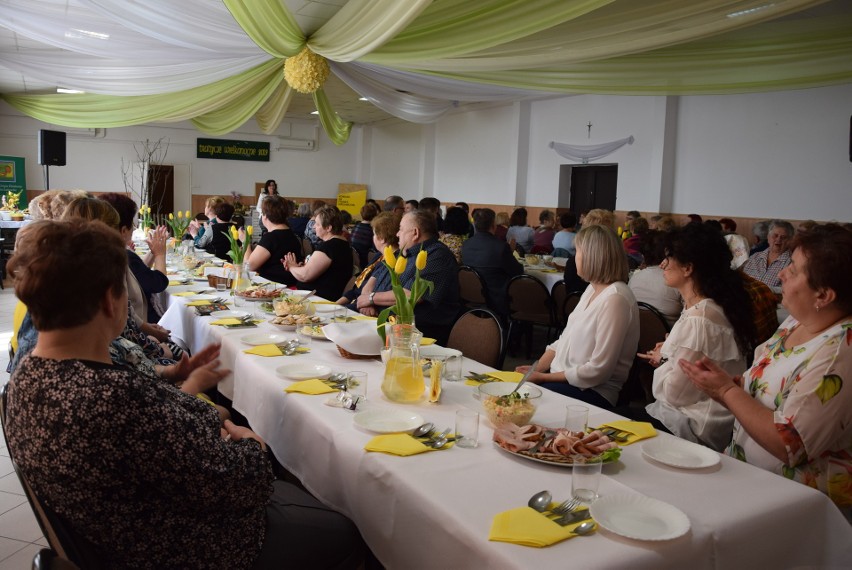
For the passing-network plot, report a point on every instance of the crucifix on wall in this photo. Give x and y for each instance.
(589, 126)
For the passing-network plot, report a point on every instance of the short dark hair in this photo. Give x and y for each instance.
(413, 203)
(639, 225)
(430, 204)
(652, 247)
(368, 211)
(827, 247)
(386, 226)
(224, 211)
(393, 202)
(568, 220)
(425, 221)
(728, 224)
(483, 219)
(464, 206)
(634, 214)
(87, 257)
(456, 221)
(275, 209)
(124, 205)
(329, 217)
(519, 217)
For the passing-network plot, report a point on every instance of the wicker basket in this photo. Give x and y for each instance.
(346, 354)
(214, 280)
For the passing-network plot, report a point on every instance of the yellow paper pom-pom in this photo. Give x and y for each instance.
(306, 72)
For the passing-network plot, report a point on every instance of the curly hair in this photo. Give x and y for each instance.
(707, 251)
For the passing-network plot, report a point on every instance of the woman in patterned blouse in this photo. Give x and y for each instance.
(793, 407)
(143, 471)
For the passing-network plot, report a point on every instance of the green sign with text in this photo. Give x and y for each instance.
(232, 150)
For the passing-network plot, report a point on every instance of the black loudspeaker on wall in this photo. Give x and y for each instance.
(51, 148)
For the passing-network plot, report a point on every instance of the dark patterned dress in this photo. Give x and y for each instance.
(137, 466)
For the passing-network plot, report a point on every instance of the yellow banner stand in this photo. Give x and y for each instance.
(351, 197)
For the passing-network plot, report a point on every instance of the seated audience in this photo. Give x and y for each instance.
(69, 403)
(543, 235)
(455, 231)
(279, 240)
(563, 240)
(648, 283)
(362, 234)
(593, 356)
(330, 266)
(793, 407)
(149, 280)
(394, 203)
(628, 220)
(519, 233)
(502, 227)
(766, 265)
(716, 324)
(466, 207)
(437, 310)
(492, 258)
(760, 231)
(411, 205)
(433, 206)
(299, 221)
(764, 303)
(693, 219)
(219, 244)
(199, 230)
(310, 231)
(385, 226)
(729, 226)
(638, 227)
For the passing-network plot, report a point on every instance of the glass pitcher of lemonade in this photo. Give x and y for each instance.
(403, 380)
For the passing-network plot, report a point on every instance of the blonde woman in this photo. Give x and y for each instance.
(592, 357)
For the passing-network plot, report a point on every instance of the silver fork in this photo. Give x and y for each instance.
(566, 507)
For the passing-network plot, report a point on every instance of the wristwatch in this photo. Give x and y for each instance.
(370, 298)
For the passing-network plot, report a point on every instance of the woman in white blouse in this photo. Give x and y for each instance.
(592, 357)
(716, 323)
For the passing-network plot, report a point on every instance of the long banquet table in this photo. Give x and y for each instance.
(434, 510)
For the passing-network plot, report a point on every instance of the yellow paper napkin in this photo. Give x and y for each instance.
(527, 527)
(175, 283)
(314, 387)
(426, 341)
(227, 321)
(200, 303)
(399, 444)
(363, 318)
(264, 350)
(323, 302)
(549, 270)
(506, 375)
(185, 294)
(636, 430)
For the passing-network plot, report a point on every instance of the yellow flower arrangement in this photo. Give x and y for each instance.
(238, 251)
(306, 72)
(145, 212)
(179, 224)
(403, 308)
(10, 200)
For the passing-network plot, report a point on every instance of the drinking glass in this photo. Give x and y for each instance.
(357, 384)
(453, 368)
(467, 428)
(585, 478)
(304, 336)
(576, 418)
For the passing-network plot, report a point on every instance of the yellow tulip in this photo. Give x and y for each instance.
(180, 215)
(249, 230)
(234, 233)
(171, 216)
(188, 215)
(389, 258)
(399, 268)
(142, 210)
(420, 263)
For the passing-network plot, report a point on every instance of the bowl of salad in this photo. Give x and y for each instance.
(503, 407)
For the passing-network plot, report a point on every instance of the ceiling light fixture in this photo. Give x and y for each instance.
(71, 91)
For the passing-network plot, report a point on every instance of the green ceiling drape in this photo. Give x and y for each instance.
(627, 47)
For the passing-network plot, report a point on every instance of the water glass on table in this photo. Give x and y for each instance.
(305, 338)
(585, 478)
(453, 368)
(467, 428)
(576, 418)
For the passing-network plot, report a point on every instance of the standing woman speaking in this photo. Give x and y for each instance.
(269, 189)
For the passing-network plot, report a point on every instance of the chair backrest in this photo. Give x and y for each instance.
(47, 559)
(356, 263)
(307, 248)
(652, 329)
(571, 303)
(66, 543)
(350, 284)
(529, 300)
(559, 293)
(472, 287)
(479, 335)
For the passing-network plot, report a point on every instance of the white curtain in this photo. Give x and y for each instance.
(585, 153)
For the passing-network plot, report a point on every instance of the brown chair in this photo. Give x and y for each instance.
(653, 328)
(65, 542)
(356, 263)
(472, 289)
(307, 248)
(564, 301)
(479, 335)
(47, 559)
(529, 305)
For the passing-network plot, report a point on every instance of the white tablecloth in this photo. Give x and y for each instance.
(549, 278)
(434, 510)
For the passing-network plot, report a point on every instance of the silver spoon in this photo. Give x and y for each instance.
(423, 430)
(438, 443)
(524, 379)
(584, 528)
(540, 501)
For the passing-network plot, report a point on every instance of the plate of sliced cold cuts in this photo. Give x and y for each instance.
(555, 446)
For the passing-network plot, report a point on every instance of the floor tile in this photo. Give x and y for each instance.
(11, 484)
(22, 559)
(9, 501)
(6, 466)
(20, 523)
(8, 547)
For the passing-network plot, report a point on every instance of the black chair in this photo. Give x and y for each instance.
(479, 335)
(65, 542)
(472, 290)
(47, 559)
(653, 328)
(530, 305)
(564, 301)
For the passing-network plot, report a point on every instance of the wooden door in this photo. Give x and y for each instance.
(161, 189)
(590, 186)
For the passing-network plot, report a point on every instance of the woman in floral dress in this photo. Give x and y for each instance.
(793, 408)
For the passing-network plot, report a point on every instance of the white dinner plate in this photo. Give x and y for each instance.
(229, 314)
(388, 420)
(639, 517)
(680, 453)
(435, 351)
(326, 307)
(303, 371)
(199, 288)
(203, 297)
(314, 331)
(257, 339)
(298, 292)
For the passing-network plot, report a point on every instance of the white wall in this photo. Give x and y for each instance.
(95, 163)
(396, 157)
(782, 154)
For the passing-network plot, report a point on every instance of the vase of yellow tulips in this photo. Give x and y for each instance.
(178, 223)
(403, 380)
(145, 218)
(237, 255)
